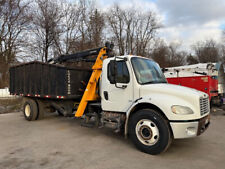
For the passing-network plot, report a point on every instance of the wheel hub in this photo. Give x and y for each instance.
(27, 110)
(147, 132)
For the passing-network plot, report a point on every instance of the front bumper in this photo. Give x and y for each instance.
(190, 128)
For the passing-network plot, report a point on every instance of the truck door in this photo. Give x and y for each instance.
(117, 93)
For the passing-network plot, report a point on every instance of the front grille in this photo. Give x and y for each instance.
(204, 105)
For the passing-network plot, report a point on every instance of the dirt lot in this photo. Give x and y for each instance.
(61, 143)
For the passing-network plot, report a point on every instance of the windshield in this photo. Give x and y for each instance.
(147, 71)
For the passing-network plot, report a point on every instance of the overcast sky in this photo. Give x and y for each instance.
(185, 21)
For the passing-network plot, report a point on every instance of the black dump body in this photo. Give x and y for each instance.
(37, 79)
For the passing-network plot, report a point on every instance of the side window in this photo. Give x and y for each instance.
(121, 73)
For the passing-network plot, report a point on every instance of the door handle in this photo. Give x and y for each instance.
(120, 86)
(106, 95)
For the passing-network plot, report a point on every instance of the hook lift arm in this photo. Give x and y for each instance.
(90, 93)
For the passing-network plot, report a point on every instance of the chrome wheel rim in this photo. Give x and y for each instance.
(27, 110)
(147, 132)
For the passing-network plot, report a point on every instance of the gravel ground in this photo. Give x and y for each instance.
(60, 142)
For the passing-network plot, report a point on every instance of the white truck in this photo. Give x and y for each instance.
(134, 98)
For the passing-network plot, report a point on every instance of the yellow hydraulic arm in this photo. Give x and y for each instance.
(90, 93)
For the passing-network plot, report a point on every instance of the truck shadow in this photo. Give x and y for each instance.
(186, 147)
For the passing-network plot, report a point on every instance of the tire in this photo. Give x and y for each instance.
(149, 131)
(41, 110)
(30, 109)
(59, 113)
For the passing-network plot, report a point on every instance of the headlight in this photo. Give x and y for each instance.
(181, 110)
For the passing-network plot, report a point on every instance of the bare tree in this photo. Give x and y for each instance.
(160, 53)
(207, 51)
(71, 23)
(89, 27)
(46, 28)
(84, 7)
(168, 55)
(132, 31)
(95, 28)
(191, 59)
(13, 21)
(176, 57)
(117, 26)
(146, 29)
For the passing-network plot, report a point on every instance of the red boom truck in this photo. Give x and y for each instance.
(202, 77)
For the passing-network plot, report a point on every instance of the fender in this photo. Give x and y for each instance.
(142, 100)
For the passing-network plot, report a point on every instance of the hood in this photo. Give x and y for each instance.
(170, 89)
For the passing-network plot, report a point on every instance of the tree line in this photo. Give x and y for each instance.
(42, 29)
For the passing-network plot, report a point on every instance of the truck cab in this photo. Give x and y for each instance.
(156, 112)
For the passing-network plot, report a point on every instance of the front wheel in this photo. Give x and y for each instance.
(149, 131)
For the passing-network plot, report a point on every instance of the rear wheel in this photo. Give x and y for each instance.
(30, 109)
(41, 110)
(149, 131)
